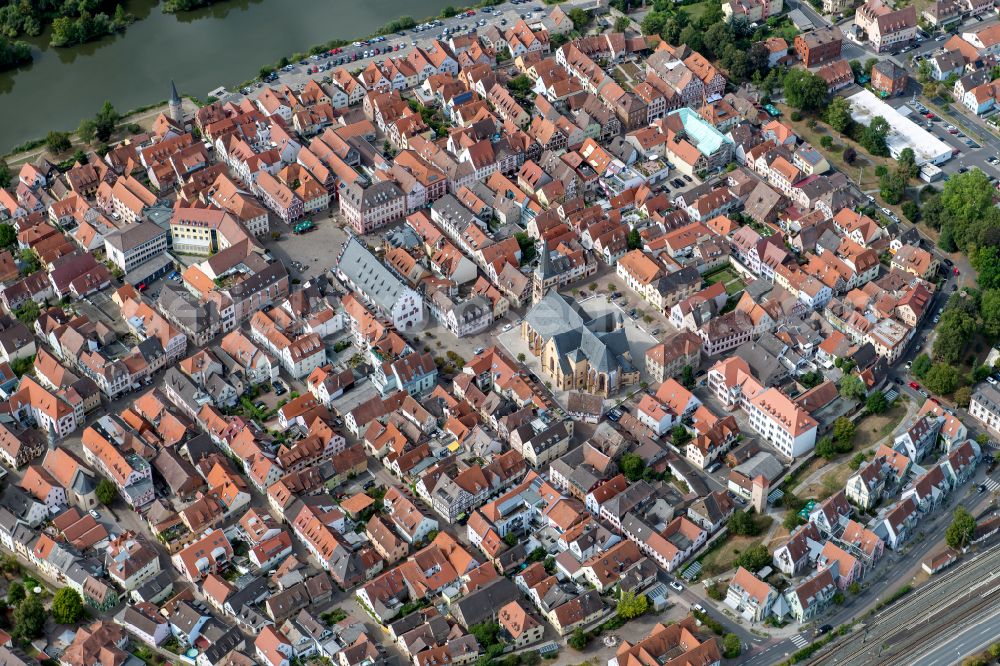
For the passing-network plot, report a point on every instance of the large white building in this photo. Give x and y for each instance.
(903, 132)
(378, 286)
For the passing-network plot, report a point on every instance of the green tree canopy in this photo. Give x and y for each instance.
(960, 531)
(838, 114)
(731, 646)
(67, 606)
(876, 403)
(742, 524)
(29, 619)
(632, 466)
(106, 492)
(852, 388)
(754, 558)
(15, 593)
(921, 364)
(804, 90)
(843, 429)
(632, 605)
(943, 378)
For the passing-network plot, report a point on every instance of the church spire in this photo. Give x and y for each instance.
(52, 436)
(174, 97)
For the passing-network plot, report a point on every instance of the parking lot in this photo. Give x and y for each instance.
(309, 254)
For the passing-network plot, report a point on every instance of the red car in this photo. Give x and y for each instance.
(934, 400)
(956, 270)
(915, 386)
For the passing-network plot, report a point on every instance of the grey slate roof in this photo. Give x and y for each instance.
(372, 277)
(601, 341)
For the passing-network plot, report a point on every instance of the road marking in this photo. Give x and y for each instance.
(991, 484)
(799, 640)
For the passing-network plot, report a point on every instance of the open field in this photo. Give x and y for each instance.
(696, 10)
(873, 428)
(863, 169)
(723, 558)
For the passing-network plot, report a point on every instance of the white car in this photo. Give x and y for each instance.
(698, 607)
(676, 586)
(991, 380)
(507, 327)
(95, 515)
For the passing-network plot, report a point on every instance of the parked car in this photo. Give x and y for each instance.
(95, 515)
(915, 386)
(698, 607)
(676, 586)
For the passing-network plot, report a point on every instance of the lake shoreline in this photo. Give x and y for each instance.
(127, 68)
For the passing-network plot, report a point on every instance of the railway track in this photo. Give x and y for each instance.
(896, 634)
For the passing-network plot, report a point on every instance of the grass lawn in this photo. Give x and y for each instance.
(722, 559)
(728, 277)
(830, 482)
(874, 427)
(863, 169)
(696, 10)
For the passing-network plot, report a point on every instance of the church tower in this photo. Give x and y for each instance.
(52, 436)
(174, 109)
(543, 273)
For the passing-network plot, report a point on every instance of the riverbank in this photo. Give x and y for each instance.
(221, 44)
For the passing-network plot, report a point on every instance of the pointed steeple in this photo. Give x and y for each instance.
(544, 261)
(52, 436)
(174, 97)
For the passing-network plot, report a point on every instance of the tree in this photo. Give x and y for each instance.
(792, 520)
(578, 639)
(106, 492)
(5, 175)
(622, 24)
(632, 605)
(634, 239)
(921, 364)
(742, 523)
(687, 377)
(804, 90)
(579, 17)
(943, 379)
(852, 388)
(485, 632)
(811, 379)
(521, 357)
(989, 310)
(986, 261)
(754, 558)
(876, 403)
(29, 619)
(838, 114)
(680, 435)
(843, 429)
(527, 245)
(911, 210)
(873, 137)
(826, 449)
(448, 12)
(27, 312)
(58, 142)
(15, 593)
(907, 163)
(826, 141)
(960, 531)
(850, 154)
(963, 396)
(632, 466)
(8, 236)
(892, 187)
(731, 646)
(67, 606)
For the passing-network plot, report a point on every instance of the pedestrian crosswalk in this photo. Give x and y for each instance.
(991, 484)
(799, 640)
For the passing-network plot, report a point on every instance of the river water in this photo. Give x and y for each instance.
(220, 45)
